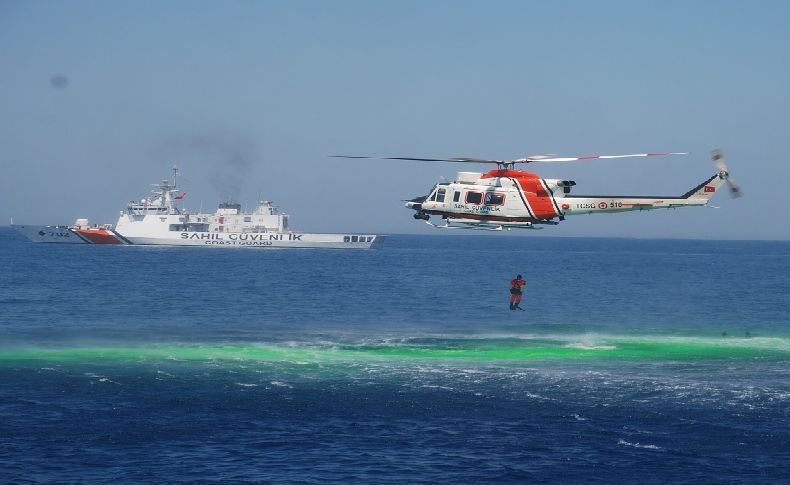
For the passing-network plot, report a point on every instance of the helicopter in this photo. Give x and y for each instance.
(505, 198)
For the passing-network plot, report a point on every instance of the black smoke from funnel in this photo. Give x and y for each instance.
(225, 159)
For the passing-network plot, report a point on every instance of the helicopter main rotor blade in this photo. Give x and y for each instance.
(593, 157)
(454, 160)
(475, 160)
(529, 159)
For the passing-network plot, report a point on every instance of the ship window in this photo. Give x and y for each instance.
(440, 195)
(493, 198)
(354, 238)
(473, 197)
(456, 196)
(370, 238)
(346, 238)
(248, 219)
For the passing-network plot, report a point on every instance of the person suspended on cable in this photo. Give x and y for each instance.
(516, 290)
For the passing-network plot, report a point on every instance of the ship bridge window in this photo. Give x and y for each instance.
(474, 197)
(248, 219)
(494, 198)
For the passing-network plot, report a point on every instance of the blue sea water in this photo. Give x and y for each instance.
(634, 361)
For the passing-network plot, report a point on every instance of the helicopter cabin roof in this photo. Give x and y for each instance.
(467, 177)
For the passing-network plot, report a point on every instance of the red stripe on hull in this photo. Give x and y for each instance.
(98, 236)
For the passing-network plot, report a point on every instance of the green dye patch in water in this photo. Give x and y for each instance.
(603, 348)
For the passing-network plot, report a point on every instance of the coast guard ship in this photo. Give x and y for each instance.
(158, 221)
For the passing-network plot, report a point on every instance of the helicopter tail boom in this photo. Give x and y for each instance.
(589, 204)
(699, 195)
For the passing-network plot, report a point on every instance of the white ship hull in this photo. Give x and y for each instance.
(257, 240)
(50, 234)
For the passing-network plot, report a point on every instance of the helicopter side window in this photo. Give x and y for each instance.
(433, 196)
(473, 197)
(456, 196)
(494, 198)
(440, 195)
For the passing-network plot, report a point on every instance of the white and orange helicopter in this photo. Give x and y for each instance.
(505, 198)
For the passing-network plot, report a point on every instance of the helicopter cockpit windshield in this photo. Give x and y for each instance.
(438, 194)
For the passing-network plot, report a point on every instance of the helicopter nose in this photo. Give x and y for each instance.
(416, 203)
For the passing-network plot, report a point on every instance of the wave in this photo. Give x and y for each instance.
(529, 348)
(638, 445)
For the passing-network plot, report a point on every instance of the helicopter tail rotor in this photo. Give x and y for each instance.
(724, 173)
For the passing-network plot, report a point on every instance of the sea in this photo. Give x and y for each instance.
(632, 361)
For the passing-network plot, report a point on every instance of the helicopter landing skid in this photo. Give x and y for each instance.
(476, 226)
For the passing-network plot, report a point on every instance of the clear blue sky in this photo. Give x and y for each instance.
(249, 98)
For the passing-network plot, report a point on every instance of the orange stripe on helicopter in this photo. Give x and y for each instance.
(540, 201)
